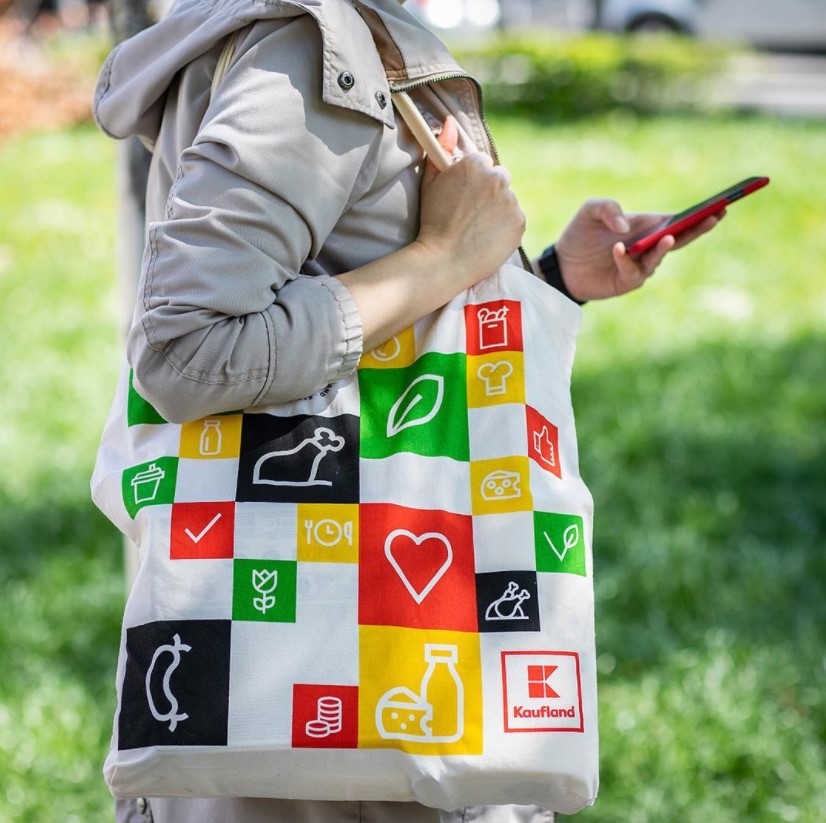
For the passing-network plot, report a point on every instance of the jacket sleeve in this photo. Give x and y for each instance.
(225, 321)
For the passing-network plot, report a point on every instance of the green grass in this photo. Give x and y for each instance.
(701, 404)
(61, 584)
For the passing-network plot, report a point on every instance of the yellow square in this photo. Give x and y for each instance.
(500, 485)
(420, 690)
(495, 378)
(211, 438)
(397, 352)
(328, 532)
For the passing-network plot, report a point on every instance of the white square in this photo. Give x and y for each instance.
(442, 331)
(504, 542)
(180, 590)
(327, 595)
(148, 441)
(566, 606)
(542, 691)
(568, 495)
(416, 482)
(266, 531)
(202, 481)
(498, 431)
(268, 659)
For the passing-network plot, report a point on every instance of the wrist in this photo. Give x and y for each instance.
(437, 255)
(551, 269)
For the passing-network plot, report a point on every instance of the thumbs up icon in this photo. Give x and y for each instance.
(544, 447)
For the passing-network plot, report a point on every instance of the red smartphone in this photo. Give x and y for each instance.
(696, 214)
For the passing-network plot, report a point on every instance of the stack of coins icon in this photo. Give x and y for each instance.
(328, 721)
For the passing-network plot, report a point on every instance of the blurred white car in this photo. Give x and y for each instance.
(457, 14)
(796, 24)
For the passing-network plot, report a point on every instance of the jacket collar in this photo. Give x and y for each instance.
(133, 83)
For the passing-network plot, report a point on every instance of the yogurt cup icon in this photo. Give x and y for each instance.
(145, 484)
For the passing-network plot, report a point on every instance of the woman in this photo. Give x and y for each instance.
(293, 226)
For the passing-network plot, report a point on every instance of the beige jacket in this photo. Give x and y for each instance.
(295, 171)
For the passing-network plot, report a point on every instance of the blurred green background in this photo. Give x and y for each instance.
(701, 408)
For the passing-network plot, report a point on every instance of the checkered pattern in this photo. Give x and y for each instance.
(350, 575)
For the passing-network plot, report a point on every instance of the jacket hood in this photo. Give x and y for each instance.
(133, 83)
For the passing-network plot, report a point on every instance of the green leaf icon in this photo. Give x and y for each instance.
(418, 404)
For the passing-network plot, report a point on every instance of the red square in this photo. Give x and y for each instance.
(325, 717)
(416, 569)
(202, 531)
(543, 442)
(493, 327)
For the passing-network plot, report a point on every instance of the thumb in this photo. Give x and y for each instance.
(448, 140)
(609, 213)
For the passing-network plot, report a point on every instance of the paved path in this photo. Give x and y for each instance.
(787, 84)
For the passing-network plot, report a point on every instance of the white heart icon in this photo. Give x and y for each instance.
(418, 595)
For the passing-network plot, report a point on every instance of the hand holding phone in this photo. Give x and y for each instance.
(696, 214)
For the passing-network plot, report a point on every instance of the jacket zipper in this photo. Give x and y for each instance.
(437, 78)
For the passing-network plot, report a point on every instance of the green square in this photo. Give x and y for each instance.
(139, 410)
(149, 484)
(560, 543)
(264, 590)
(421, 408)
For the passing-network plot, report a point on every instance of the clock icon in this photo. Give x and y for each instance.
(329, 532)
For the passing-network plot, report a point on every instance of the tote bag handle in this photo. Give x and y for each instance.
(401, 100)
(421, 130)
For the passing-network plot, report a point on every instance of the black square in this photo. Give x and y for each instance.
(176, 685)
(299, 459)
(507, 601)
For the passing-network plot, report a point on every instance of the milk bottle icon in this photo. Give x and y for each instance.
(437, 713)
(211, 439)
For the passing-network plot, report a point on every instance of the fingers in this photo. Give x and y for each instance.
(610, 213)
(449, 138)
(483, 164)
(631, 272)
(693, 233)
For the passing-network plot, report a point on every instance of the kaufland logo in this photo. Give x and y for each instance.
(542, 691)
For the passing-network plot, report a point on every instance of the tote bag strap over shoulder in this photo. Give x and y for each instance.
(227, 53)
(404, 105)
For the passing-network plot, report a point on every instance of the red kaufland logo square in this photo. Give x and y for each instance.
(325, 716)
(202, 531)
(538, 677)
(416, 568)
(542, 691)
(543, 442)
(492, 327)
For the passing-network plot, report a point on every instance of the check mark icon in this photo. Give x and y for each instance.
(197, 538)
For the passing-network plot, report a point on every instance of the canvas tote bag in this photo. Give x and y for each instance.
(382, 591)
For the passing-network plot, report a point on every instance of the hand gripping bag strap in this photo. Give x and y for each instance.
(387, 584)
